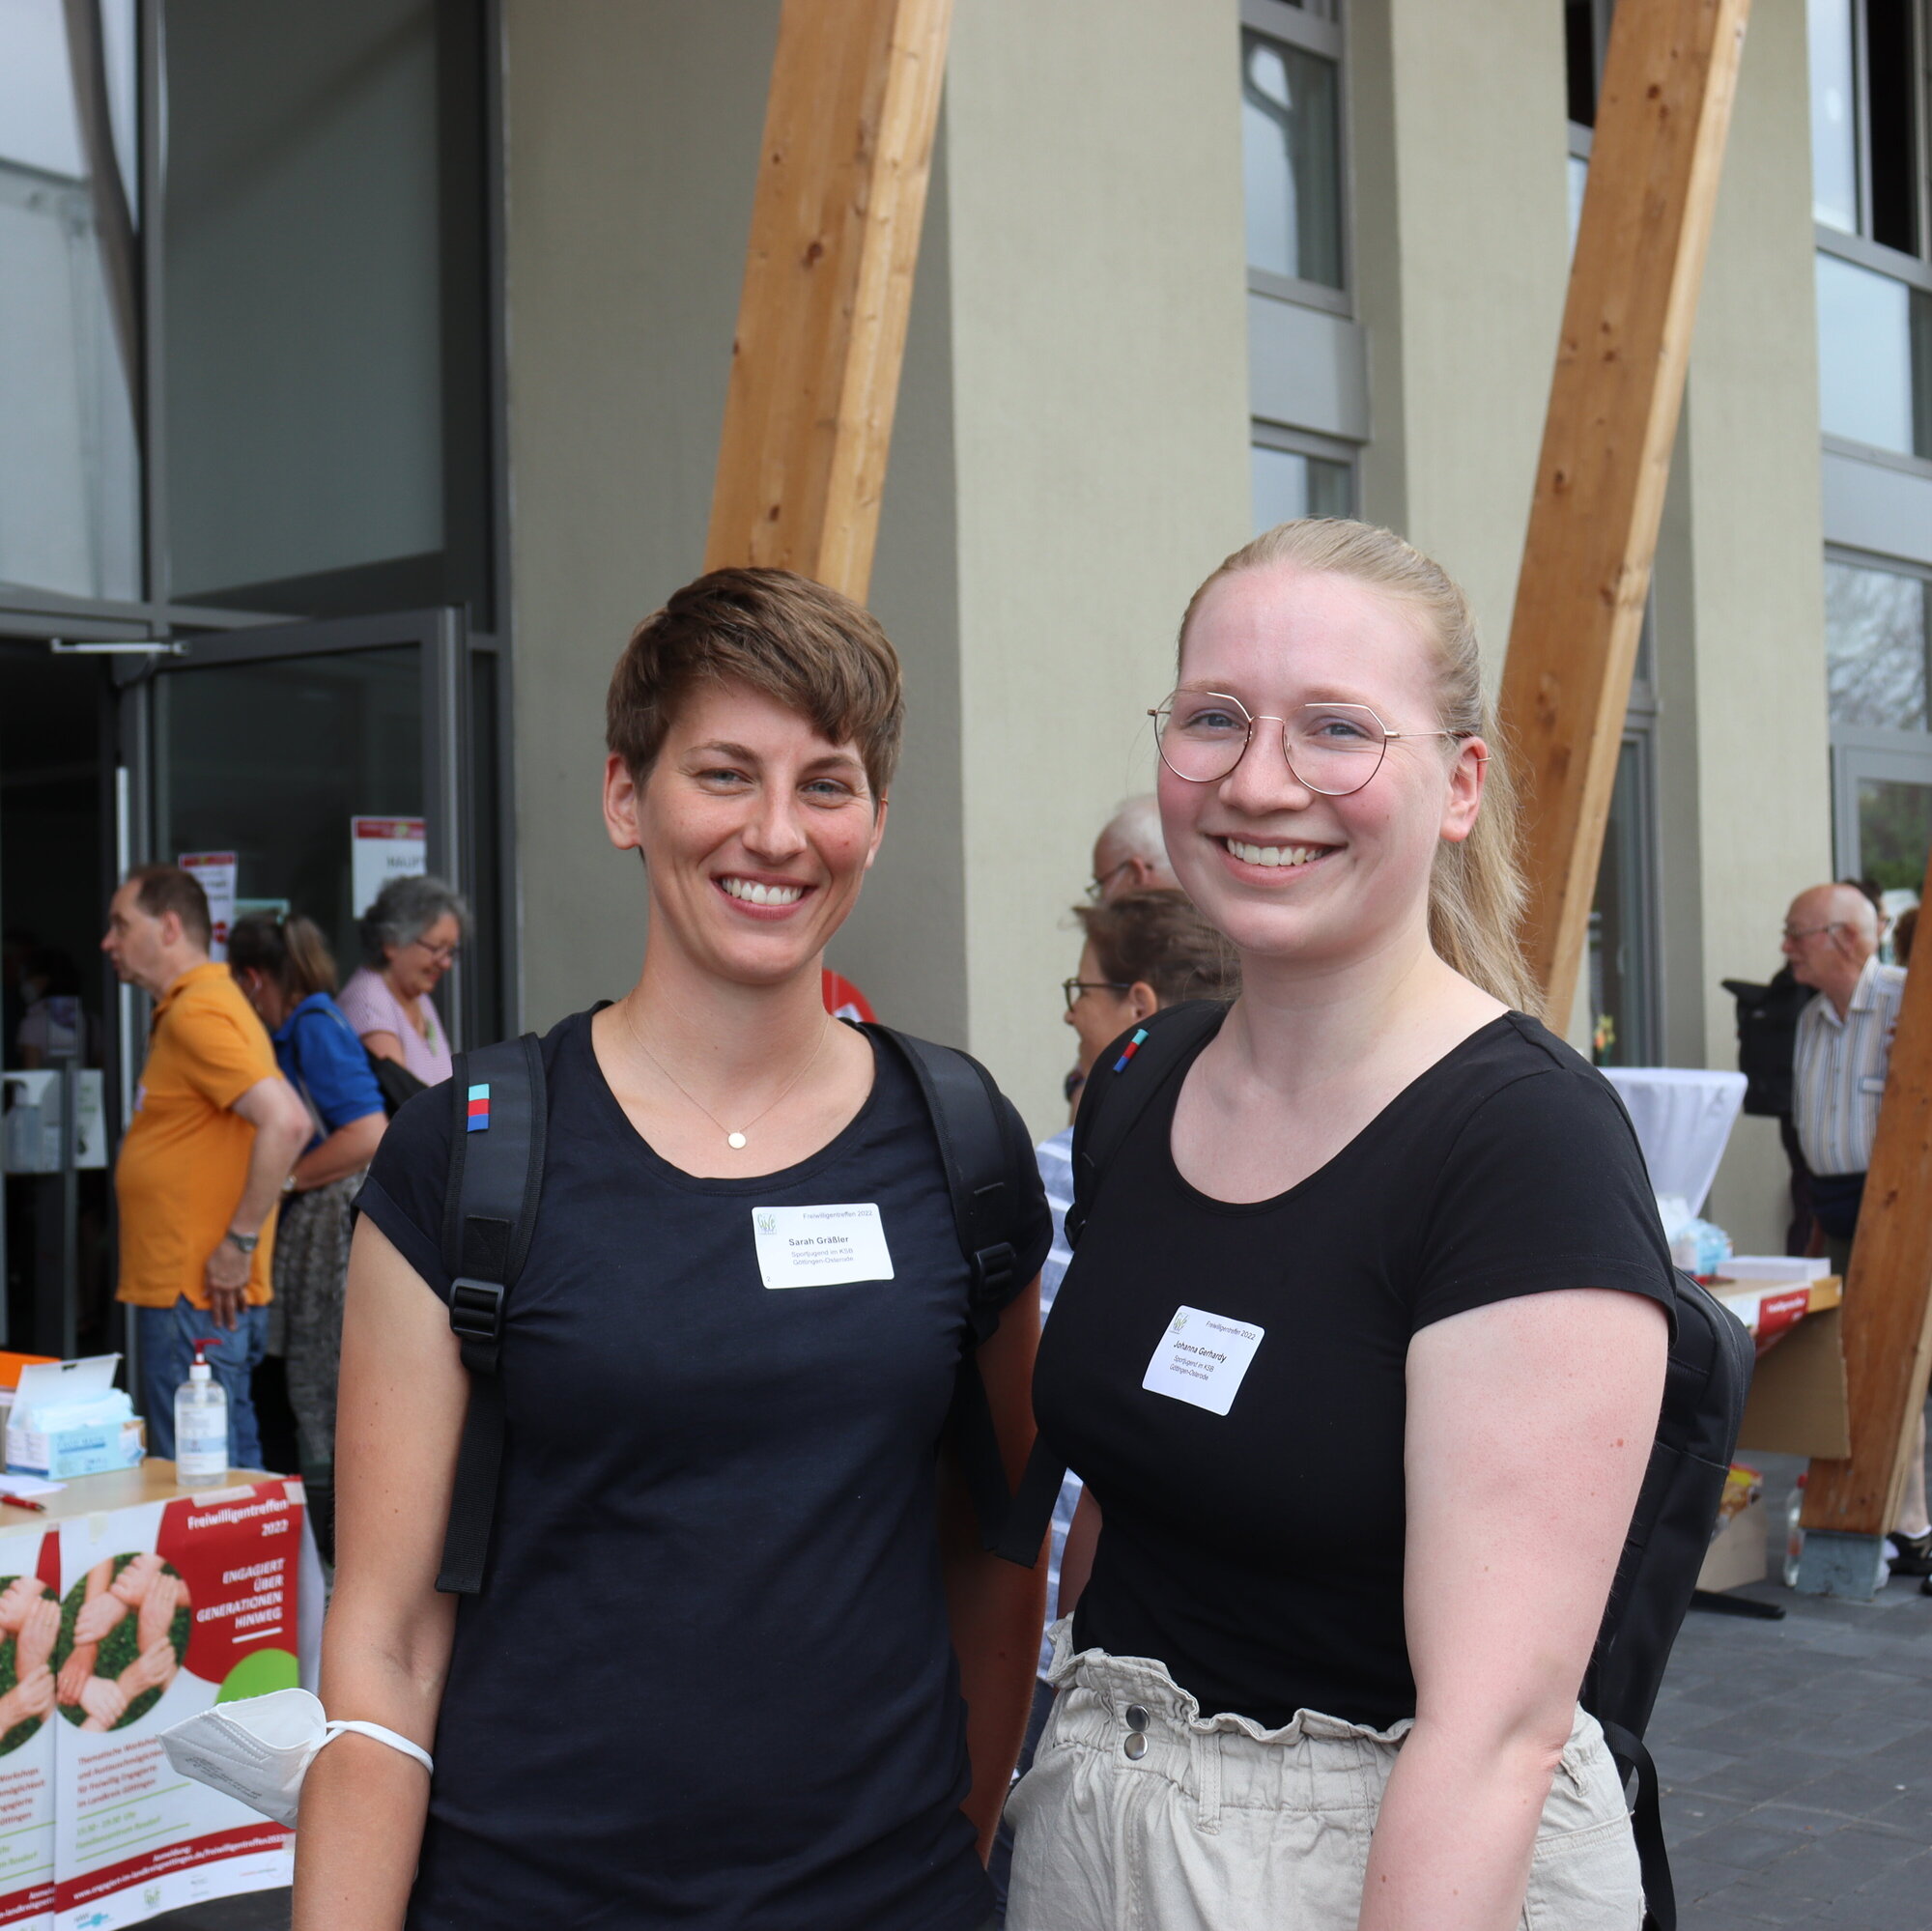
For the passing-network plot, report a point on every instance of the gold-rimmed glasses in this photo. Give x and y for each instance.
(1329, 748)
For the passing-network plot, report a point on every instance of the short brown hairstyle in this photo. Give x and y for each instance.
(804, 645)
(161, 889)
(1158, 939)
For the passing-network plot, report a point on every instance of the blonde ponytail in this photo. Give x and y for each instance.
(1476, 891)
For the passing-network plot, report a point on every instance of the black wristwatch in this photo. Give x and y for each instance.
(246, 1242)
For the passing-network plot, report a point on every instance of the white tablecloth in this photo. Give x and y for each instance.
(1683, 1117)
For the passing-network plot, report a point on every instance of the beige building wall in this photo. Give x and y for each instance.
(1100, 431)
(631, 137)
(1461, 251)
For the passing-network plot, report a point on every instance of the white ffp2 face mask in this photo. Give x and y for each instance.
(258, 1750)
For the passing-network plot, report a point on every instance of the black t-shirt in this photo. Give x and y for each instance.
(709, 1678)
(1259, 1553)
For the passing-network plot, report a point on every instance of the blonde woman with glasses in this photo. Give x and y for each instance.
(1362, 1349)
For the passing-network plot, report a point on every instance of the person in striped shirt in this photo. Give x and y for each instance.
(1840, 1060)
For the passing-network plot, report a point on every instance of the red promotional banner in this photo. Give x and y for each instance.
(1777, 1312)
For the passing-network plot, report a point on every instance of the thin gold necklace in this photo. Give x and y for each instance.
(734, 1137)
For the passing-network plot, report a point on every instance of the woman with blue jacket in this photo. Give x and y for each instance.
(284, 967)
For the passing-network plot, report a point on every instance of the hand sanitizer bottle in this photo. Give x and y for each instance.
(200, 1423)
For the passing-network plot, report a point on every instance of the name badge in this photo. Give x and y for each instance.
(1201, 1358)
(820, 1246)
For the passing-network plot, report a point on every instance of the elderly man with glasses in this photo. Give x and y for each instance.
(1840, 1064)
(1131, 854)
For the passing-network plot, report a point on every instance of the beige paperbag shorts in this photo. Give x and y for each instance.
(1140, 1814)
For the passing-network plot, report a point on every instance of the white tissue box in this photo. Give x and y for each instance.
(69, 1419)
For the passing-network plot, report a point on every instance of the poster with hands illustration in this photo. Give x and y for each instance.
(165, 1609)
(122, 1633)
(30, 1626)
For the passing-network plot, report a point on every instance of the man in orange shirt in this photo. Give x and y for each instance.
(215, 1130)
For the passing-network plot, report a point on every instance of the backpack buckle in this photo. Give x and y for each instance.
(993, 1268)
(476, 1316)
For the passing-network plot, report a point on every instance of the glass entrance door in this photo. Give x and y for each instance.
(293, 761)
(57, 999)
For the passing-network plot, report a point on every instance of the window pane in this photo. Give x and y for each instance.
(1287, 485)
(1874, 335)
(69, 333)
(303, 338)
(1894, 833)
(1290, 162)
(1579, 180)
(1875, 643)
(1834, 134)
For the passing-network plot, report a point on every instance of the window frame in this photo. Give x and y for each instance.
(1879, 737)
(1920, 27)
(1864, 253)
(1265, 435)
(1870, 749)
(1299, 28)
(1302, 442)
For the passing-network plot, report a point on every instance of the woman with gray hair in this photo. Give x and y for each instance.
(410, 937)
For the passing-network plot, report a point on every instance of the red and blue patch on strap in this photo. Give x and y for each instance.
(479, 1109)
(1133, 1047)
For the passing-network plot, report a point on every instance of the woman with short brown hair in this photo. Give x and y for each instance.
(710, 1677)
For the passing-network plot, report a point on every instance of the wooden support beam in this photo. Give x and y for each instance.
(849, 128)
(1887, 1313)
(1662, 116)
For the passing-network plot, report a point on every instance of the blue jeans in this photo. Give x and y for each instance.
(167, 1336)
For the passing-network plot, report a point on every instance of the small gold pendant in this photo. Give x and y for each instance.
(734, 1139)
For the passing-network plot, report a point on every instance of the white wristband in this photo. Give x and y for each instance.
(381, 1736)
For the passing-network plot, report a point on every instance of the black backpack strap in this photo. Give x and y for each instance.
(1660, 1895)
(496, 1175)
(1123, 1081)
(964, 1104)
(965, 1108)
